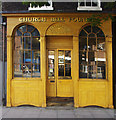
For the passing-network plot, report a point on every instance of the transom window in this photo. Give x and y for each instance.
(89, 5)
(26, 54)
(92, 53)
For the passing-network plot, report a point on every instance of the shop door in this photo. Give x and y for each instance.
(59, 73)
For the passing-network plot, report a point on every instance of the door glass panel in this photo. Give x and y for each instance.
(67, 56)
(61, 56)
(27, 43)
(17, 70)
(27, 57)
(61, 70)
(51, 64)
(36, 70)
(26, 68)
(68, 70)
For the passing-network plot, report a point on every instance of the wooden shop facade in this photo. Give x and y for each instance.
(58, 55)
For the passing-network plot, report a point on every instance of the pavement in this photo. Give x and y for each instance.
(56, 112)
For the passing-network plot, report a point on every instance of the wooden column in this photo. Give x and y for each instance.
(109, 71)
(43, 68)
(9, 69)
(75, 64)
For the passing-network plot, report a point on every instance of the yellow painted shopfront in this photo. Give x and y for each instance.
(58, 55)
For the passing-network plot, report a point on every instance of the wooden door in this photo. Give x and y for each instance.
(59, 73)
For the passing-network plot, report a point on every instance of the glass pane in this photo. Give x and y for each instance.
(51, 57)
(94, 4)
(27, 42)
(18, 43)
(91, 57)
(27, 34)
(51, 70)
(101, 56)
(61, 70)
(100, 34)
(88, 29)
(83, 71)
(36, 57)
(18, 33)
(67, 56)
(95, 29)
(35, 33)
(23, 28)
(91, 35)
(67, 69)
(61, 56)
(36, 44)
(92, 71)
(36, 70)
(88, 3)
(17, 70)
(91, 43)
(83, 33)
(101, 44)
(18, 57)
(83, 57)
(26, 70)
(101, 72)
(27, 57)
(83, 44)
(30, 28)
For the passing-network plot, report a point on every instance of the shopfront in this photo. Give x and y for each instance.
(58, 55)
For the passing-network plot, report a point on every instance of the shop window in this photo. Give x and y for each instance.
(92, 53)
(91, 5)
(26, 53)
(50, 7)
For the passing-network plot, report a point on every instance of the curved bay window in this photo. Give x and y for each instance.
(26, 54)
(92, 53)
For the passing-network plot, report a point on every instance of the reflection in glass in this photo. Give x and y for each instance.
(36, 70)
(27, 57)
(27, 42)
(83, 44)
(61, 70)
(92, 44)
(51, 64)
(67, 56)
(18, 57)
(18, 43)
(101, 56)
(36, 43)
(101, 44)
(61, 56)
(67, 70)
(17, 70)
(23, 28)
(26, 68)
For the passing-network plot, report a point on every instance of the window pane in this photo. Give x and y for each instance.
(67, 56)
(36, 70)
(83, 71)
(101, 56)
(101, 71)
(27, 42)
(36, 43)
(67, 69)
(95, 29)
(91, 57)
(83, 33)
(100, 34)
(30, 28)
(101, 44)
(83, 57)
(35, 33)
(88, 29)
(61, 70)
(17, 70)
(92, 71)
(51, 70)
(26, 70)
(23, 28)
(18, 57)
(18, 43)
(18, 33)
(91, 43)
(36, 57)
(83, 44)
(27, 57)
(61, 56)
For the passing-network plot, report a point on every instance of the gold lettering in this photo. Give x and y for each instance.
(21, 19)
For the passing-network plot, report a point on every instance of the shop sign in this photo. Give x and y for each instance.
(52, 19)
